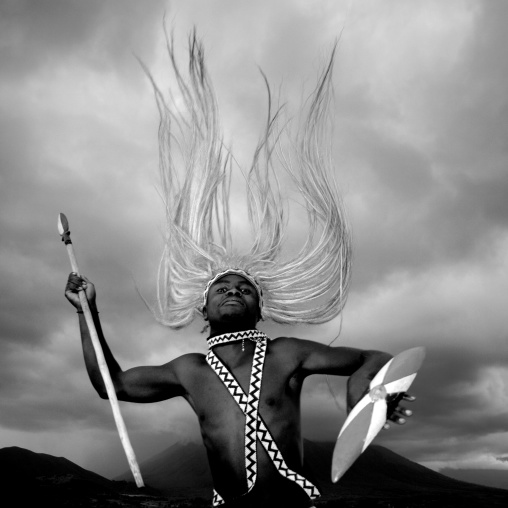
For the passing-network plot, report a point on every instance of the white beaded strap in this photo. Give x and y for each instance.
(261, 432)
(217, 499)
(250, 405)
(253, 335)
(251, 415)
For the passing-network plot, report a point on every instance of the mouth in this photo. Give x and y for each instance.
(234, 301)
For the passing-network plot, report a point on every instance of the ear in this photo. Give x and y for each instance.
(205, 314)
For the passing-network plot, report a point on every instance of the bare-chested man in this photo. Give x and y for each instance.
(233, 305)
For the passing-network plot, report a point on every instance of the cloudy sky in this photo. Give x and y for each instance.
(421, 155)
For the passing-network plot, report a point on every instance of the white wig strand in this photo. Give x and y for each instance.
(309, 287)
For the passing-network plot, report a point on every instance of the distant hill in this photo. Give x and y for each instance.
(379, 477)
(32, 479)
(179, 471)
(490, 477)
(384, 478)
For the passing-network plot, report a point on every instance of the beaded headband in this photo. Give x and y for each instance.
(241, 273)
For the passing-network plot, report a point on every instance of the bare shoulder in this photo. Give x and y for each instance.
(292, 347)
(294, 344)
(284, 343)
(191, 358)
(187, 369)
(185, 365)
(188, 361)
(306, 346)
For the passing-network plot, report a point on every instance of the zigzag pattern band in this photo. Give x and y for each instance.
(255, 427)
(253, 335)
(263, 433)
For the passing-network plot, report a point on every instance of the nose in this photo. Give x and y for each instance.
(234, 292)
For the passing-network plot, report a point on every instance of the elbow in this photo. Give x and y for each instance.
(373, 362)
(379, 357)
(103, 392)
(104, 386)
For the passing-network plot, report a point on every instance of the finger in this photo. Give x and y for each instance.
(401, 410)
(73, 276)
(399, 420)
(408, 397)
(399, 416)
(73, 282)
(78, 280)
(386, 426)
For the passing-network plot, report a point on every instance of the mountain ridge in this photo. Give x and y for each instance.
(379, 478)
(497, 478)
(379, 475)
(39, 479)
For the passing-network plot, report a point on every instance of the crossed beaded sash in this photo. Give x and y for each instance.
(255, 427)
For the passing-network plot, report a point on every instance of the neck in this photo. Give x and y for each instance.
(246, 337)
(222, 328)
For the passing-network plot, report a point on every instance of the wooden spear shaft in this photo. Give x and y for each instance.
(63, 229)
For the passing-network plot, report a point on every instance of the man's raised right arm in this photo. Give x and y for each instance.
(139, 384)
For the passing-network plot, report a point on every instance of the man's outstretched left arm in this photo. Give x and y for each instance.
(360, 365)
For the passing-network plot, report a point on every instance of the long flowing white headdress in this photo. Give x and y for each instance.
(307, 287)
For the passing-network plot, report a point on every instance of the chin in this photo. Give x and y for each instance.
(234, 319)
(237, 322)
(233, 312)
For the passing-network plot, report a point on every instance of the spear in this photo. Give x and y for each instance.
(63, 229)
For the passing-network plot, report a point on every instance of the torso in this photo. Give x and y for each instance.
(222, 422)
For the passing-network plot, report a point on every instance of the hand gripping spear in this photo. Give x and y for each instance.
(63, 229)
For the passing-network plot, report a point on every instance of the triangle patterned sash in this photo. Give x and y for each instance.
(255, 427)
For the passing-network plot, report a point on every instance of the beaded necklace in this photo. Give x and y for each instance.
(255, 427)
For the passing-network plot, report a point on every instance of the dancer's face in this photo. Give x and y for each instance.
(232, 299)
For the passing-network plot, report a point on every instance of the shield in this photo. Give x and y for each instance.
(368, 416)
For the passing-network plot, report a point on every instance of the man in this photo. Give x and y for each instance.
(244, 473)
(246, 390)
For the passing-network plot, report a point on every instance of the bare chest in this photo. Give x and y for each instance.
(214, 404)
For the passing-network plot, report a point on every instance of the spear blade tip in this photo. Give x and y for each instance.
(63, 224)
